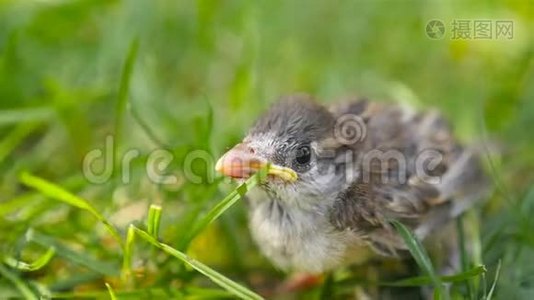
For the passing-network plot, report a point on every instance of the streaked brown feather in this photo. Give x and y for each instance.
(422, 206)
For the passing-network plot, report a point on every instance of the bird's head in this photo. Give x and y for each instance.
(295, 137)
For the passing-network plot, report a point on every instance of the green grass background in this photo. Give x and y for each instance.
(202, 72)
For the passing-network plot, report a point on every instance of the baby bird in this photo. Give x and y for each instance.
(339, 175)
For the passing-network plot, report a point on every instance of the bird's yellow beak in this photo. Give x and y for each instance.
(241, 162)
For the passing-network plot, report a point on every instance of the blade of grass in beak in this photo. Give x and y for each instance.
(226, 203)
(421, 257)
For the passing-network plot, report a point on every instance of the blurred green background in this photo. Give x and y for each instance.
(203, 71)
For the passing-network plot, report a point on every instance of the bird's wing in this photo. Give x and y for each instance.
(395, 183)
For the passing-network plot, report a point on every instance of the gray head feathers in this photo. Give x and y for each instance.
(295, 118)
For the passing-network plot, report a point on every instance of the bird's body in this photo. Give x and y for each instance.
(299, 237)
(343, 173)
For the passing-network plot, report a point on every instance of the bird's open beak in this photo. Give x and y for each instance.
(241, 162)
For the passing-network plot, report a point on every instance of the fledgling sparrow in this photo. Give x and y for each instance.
(338, 175)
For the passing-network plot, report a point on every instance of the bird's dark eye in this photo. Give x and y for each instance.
(303, 155)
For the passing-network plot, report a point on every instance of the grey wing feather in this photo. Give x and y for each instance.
(409, 197)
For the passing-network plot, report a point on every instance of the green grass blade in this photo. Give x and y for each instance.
(464, 254)
(215, 276)
(111, 292)
(426, 280)
(18, 283)
(421, 257)
(153, 221)
(147, 129)
(24, 115)
(149, 293)
(127, 258)
(494, 284)
(209, 119)
(34, 266)
(122, 98)
(55, 192)
(18, 203)
(226, 203)
(14, 138)
(204, 293)
(106, 268)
